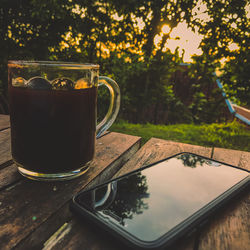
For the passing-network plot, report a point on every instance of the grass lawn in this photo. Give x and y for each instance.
(225, 135)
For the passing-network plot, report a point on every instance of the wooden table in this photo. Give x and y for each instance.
(35, 215)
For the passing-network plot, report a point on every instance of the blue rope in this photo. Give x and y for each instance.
(229, 104)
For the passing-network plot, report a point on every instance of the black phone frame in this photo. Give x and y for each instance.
(182, 229)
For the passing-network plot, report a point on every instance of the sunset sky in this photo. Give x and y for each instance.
(181, 36)
(184, 38)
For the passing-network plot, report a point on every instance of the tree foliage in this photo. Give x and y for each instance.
(226, 36)
(120, 36)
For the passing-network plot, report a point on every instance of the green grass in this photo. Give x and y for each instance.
(231, 135)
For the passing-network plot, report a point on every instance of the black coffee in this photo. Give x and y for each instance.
(52, 131)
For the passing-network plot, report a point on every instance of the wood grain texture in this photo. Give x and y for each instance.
(9, 175)
(78, 234)
(27, 204)
(81, 235)
(230, 229)
(41, 234)
(37, 238)
(5, 154)
(158, 149)
(35, 215)
(233, 157)
(4, 121)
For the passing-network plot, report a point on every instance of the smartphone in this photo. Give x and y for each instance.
(153, 206)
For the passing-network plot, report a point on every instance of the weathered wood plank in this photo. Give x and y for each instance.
(230, 229)
(77, 235)
(8, 176)
(91, 238)
(5, 154)
(4, 121)
(28, 204)
(38, 237)
(157, 149)
(233, 157)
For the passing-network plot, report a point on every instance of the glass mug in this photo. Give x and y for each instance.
(53, 109)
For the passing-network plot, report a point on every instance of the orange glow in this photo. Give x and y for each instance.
(183, 38)
(180, 37)
(82, 84)
(165, 29)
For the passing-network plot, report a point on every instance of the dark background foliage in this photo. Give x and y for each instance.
(155, 87)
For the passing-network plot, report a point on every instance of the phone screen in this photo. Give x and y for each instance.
(149, 203)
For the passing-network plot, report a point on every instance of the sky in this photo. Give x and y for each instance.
(182, 36)
(187, 40)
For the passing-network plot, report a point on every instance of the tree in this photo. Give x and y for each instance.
(226, 36)
(236, 76)
(121, 36)
(31, 29)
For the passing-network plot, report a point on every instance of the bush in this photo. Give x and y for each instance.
(226, 135)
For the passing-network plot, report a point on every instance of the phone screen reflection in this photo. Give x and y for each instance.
(151, 202)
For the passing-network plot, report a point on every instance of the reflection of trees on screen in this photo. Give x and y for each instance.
(190, 160)
(131, 197)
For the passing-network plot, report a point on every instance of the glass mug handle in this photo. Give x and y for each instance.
(114, 106)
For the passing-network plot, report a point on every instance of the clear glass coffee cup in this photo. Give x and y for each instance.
(53, 115)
